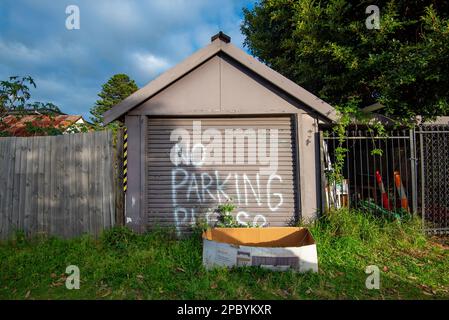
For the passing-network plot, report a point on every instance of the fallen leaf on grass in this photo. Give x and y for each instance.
(338, 274)
(108, 292)
(385, 269)
(56, 284)
(213, 286)
(420, 264)
(180, 269)
(391, 290)
(27, 295)
(428, 291)
(284, 293)
(248, 296)
(62, 279)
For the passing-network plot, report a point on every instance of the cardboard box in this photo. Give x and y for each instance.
(277, 249)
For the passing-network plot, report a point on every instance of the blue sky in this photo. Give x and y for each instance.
(141, 38)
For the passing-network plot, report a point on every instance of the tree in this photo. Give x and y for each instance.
(15, 95)
(326, 47)
(15, 99)
(117, 88)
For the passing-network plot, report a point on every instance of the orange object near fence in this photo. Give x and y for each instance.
(385, 200)
(401, 190)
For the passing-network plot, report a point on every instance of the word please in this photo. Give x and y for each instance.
(189, 216)
(199, 187)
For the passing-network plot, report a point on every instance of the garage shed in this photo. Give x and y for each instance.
(221, 126)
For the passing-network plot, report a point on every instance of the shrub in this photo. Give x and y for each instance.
(227, 220)
(118, 238)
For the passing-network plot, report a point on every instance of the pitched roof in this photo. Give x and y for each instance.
(16, 125)
(220, 45)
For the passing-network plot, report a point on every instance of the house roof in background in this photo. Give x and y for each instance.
(16, 125)
(33, 111)
(220, 44)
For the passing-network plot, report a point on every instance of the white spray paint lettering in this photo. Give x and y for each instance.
(196, 149)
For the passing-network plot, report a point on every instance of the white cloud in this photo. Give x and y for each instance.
(115, 14)
(18, 51)
(148, 65)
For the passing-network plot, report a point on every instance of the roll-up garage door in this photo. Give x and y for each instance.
(194, 164)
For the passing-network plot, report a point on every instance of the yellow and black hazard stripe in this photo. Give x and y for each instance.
(125, 160)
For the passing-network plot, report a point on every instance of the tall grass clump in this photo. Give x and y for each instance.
(365, 229)
(118, 238)
(348, 236)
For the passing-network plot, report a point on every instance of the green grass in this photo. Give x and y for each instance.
(122, 265)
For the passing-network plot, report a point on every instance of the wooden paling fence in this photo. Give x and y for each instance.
(64, 185)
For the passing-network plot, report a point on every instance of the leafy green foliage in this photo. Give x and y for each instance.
(15, 95)
(157, 266)
(35, 130)
(225, 217)
(116, 89)
(15, 98)
(227, 220)
(325, 47)
(118, 238)
(227, 207)
(78, 128)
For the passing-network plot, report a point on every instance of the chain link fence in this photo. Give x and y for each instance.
(433, 149)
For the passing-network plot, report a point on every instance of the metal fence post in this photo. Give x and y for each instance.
(413, 160)
(323, 176)
(423, 178)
